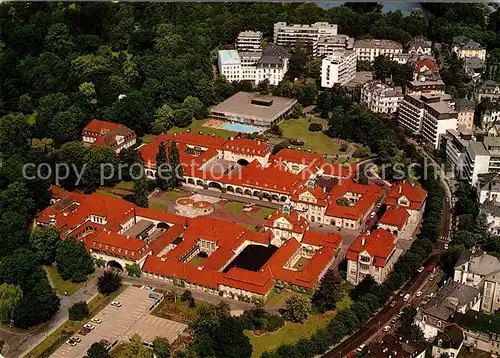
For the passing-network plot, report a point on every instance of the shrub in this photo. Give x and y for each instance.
(315, 127)
(78, 311)
(343, 147)
(109, 282)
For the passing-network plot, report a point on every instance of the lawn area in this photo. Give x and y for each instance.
(196, 261)
(301, 263)
(197, 126)
(62, 286)
(148, 138)
(176, 311)
(173, 195)
(50, 344)
(160, 207)
(278, 300)
(262, 213)
(125, 185)
(105, 192)
(315, 141)
(290, 333)
(234, 207)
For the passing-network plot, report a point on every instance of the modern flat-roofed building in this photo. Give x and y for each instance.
(428, 114)
(327, 45)
(229, 64)
(369, 50)
(424, 85)
(456, 147)
(253, 108)
(249, 41)
(380, 97)
(338, 68)
(290, 35)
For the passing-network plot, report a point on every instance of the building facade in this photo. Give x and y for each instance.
(107, 134)
(467, 48)
(380, 97)
(369, 50)
(289, 35)
(338, 68)
(249, 41)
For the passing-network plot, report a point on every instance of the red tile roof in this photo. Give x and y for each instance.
(257, 282)
(161, 216)
(99, 126)
(247, 146)
(415, 194)
(166, 239)
(379, 245)
(298, 157)
(368, 196)
(395, 216)
(106, 132)
(322, 239)
(429, 63)
(116, 244)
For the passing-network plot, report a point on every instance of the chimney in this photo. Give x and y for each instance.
(412, 185)
(258, 142)
(400, 189)
(363, 241)
(232, 138)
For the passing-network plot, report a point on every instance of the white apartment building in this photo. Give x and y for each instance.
(480, 270)
(229, 64)
(465, 109)
(466, 48)
(338, 68)
(380, 97)
(369, 50)
(456, 147)
(290, 35)
(327, 45)
(270, 64)
(429, 115)
(488, 89)
(488, 188)
(481, 158)
(249, 41)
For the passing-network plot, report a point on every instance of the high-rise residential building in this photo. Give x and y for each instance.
(290, 35)
(429, 114)
(338, 68)
(380, 97)
(481, 158)
(326, 45)
(249, 41)
(369, 50)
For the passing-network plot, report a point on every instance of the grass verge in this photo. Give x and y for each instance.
(57, 338)
(262, 213)
(197, 126)
(173, 195)
(62, 286)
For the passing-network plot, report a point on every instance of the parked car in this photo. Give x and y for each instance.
(89, 326)
(406, 298)
(386, 328)
(372, 214)
(394, 320)
(421, 269)
(96, 320)
(418, 294)
(77, 339)
(106, 344)
(248, 205)
(71, 342)
(116, 304)
(296, 142)
(393, 303)
(431, 277)
(446, 246)
(83, 331)
(361, 347)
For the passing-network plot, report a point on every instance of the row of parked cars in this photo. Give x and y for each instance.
(88, 327)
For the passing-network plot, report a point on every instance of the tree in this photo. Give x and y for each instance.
(343, 202)
(100, 168)
(330, 291)
(43, 241)
(174, 162)
(188, 298)
(15, 133)
(161, 347)
(141, 192)
(365, 286)
(195, 107)
(133, 270)
(73, 261)
(297, 309)
(132, 161)
(66, 125)
(409, 329)
(315, 127)
(281, 145)
(109, 282)
(58, 39)
(78, 311)
(164, 171)
(135, 349)
(164, 119)
(97, 350)
(10, 297)
(182, 117)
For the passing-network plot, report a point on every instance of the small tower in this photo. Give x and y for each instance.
(287, 207)
(311, 182)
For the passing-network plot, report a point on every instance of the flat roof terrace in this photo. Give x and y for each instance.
(253, 106)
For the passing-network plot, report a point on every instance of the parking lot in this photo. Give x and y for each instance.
(119, 323)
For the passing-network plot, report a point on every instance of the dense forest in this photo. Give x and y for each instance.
(141, 64)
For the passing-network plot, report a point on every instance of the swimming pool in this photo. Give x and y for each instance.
(243, 128)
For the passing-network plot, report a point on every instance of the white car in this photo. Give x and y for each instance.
(418, 294)
(372, 215)
(386, 328)
(89, 326)
(116, 304)
(76, 339)
(96, 320)
(421, 269)
(361, 347)
(71, 343)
